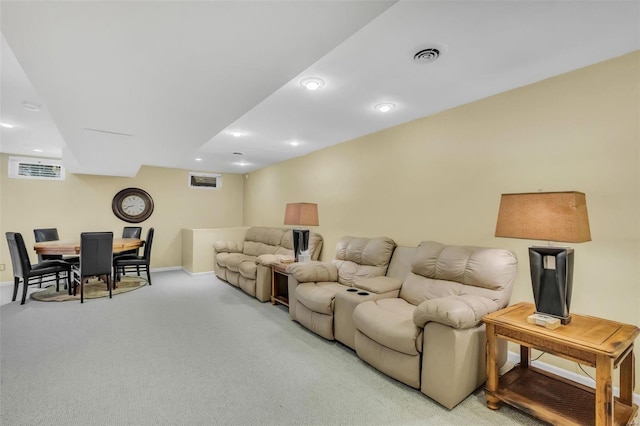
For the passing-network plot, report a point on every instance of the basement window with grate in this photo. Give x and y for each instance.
(205, 180)
(35, 168)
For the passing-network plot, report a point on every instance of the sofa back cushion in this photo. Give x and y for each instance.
(261, 240)
(358, 258)
(439, 270)
(400, 263)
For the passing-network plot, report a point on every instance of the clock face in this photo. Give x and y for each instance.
(132, 205)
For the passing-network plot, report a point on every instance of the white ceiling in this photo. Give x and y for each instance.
(125, 84)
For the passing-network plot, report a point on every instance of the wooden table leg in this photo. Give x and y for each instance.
(492, 368)
(525, 356)
(604, 391)
(627, 379)
(273, 286)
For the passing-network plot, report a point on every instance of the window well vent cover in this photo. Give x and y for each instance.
(205, 180)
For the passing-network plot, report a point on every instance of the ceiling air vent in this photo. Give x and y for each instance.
(205, 180)
(35, 168)
(426, 56)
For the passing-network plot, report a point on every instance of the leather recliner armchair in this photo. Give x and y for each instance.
(313, 285)
(431, 337)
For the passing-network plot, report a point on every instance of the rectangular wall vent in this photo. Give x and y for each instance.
(205, 180)
(35, 168)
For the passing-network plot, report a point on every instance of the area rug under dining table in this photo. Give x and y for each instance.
(92, 290)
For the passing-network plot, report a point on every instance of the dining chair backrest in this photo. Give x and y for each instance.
(46, 234)
(131, 232)
(96, 253)
(19, 256)
(147, 244)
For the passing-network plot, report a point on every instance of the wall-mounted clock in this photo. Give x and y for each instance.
(132, 205)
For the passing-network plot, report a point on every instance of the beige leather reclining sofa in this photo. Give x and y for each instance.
(247, 264)
(414, 313)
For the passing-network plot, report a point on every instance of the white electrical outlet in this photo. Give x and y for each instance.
(1, 266)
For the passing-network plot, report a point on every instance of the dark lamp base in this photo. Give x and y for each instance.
(300, 241)
(552, 280)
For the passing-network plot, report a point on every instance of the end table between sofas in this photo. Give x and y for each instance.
(279, 284)
(587, 340)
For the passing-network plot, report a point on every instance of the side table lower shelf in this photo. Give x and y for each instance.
(279, 284)
(554, 399)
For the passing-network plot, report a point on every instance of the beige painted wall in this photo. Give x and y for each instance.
(440, 178)
(83, 203)
(197, 246)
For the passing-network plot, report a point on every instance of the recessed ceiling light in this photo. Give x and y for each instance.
(242, 163)
(294, 143)
(31, 106)
(198, 159)
(236, 133)
(7, 125)
(386, 107)
(312, 83)
(37, 150)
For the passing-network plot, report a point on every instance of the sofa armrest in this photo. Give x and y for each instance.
(455, 311)
(378, 285)
(313, 271)
(270, 259)
(228, 246)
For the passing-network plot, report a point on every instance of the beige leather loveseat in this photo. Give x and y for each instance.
(431, 336)
(246, 264)
(313, 286)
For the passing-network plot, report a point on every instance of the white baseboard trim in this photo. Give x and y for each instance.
(167, 268)
(198, 274)
(514, 358)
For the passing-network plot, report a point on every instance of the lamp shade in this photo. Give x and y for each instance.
(301, 214)
(548, 216)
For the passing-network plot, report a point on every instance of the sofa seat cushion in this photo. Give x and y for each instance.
(234, 260)
(318, 297)
(389, 322)
(248, 269)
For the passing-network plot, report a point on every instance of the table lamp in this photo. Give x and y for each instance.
(301, 214)
(551, 216)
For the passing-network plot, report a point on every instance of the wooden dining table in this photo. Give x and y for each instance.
(73, 247)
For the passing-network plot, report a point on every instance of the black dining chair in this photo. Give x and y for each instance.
(127, 262)
(96, 255)
(131, 232)
(51, 234)
(23, 270)
(46, 234)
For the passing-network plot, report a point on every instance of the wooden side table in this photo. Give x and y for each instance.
(279, 284)
(591, 341)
